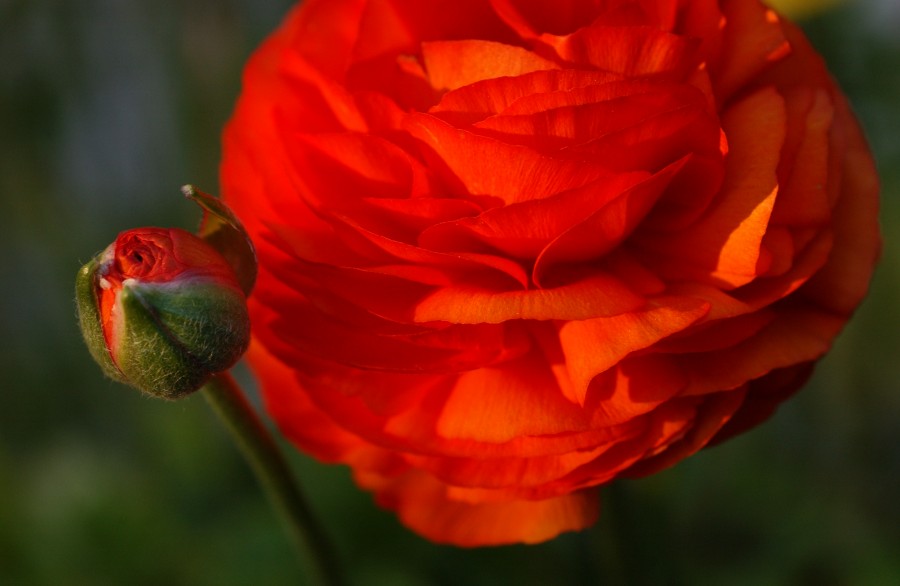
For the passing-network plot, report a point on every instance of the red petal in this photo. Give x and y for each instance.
(276, 81)
(529, 19)
(626, 267)
(347, 244)
(605, 228)
(522, 230)
(852, 186)
(803, 197)
(381, 346)
(341, 169)
(324, 32)
(296, 415)
(399, 26)
(400, 79)
(842, 283)
(753, 41)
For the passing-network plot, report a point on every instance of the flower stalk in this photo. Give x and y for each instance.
(262, 453)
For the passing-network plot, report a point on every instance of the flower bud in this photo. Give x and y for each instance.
(161, 310)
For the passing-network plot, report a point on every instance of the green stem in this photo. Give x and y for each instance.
(611, 537)
(263, 455)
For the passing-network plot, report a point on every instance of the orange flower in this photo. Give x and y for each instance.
(510, 251)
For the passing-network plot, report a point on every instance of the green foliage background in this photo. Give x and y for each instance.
(108, 106)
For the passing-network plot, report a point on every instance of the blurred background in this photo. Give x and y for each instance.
(108, 106)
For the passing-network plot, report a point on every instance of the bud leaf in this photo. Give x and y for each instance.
(179, 334)
(223, 231)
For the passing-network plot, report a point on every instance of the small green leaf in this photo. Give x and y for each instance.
(224, 232)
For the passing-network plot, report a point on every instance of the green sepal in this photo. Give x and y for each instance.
(176, 335)
(221, 229)
(89, 319)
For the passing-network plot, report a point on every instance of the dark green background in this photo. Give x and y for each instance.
(108, 106)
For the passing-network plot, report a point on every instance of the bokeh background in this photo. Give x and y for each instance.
(108, 106)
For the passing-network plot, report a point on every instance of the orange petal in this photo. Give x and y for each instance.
(576, 118)
(497, 404)
(594, 346)
(631, 50)
(596, 295)
(726, 241)
(793, 336)
(711, 415)
(423, 504)
(454, 64)
(635, 386)
(691, 191)
(510, 473)
(807, 260)
(660, 427)
(487, 169)
(479, 100)
(717, 334)
(762, 398)
(355, 400)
